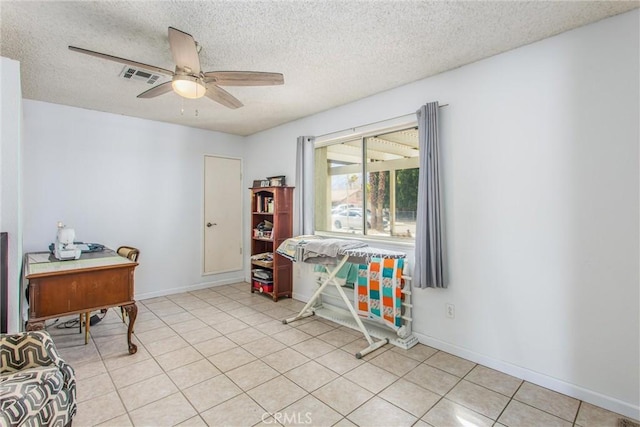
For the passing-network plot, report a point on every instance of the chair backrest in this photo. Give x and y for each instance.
(129, 252)
(26, 350)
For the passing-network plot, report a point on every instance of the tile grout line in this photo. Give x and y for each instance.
(229, 305)
(163, 371)
(198, 413)
(244, 392)
(542, 410)
(204, 358)
(443, 395)
(575, 419)
(117, 389)
(510, 399)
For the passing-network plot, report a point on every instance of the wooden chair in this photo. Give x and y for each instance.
(131, 253)
(85, 318)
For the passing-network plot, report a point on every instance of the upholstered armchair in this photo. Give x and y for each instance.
(37, 387)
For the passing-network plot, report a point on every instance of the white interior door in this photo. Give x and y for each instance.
(222, 215)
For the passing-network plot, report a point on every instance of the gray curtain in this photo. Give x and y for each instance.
(430, 257)
(305, 185)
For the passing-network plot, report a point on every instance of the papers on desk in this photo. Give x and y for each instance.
(39, 257)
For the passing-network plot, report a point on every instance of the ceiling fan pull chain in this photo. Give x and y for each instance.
(181, 106)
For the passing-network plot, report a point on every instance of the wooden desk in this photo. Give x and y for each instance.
(97, 280)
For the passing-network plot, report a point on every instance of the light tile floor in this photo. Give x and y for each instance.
(221, 357)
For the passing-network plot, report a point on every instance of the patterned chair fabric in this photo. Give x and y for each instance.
(37, 387)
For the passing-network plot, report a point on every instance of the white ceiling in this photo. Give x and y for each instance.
(330, 52)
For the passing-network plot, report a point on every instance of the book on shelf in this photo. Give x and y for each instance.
(264, 204)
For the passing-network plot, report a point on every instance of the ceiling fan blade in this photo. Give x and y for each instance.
(158, 90)
(184, 51)
(148, 67)
(222, 96)
(243, 78)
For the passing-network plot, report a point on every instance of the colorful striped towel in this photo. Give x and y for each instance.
(379, 291)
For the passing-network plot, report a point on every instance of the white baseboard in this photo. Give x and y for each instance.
(612, 404)
(575, 391)
(171, 291)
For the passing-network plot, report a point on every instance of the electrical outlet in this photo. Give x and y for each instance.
(451, 311)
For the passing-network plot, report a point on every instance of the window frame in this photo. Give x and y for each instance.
(362, 133)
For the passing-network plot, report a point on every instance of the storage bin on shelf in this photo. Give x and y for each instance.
(262, 274)
(262, 285)
(264, 259)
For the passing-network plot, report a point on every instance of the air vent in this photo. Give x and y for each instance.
(131, 73)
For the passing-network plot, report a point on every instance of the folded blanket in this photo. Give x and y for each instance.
(346, 276)
(290, 248)
(331, 247)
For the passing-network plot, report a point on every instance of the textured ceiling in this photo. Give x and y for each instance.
(330, 52)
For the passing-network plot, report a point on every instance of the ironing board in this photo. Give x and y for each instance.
(359, 255)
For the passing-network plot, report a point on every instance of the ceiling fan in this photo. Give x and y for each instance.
(188, 80)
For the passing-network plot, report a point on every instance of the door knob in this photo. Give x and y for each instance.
(209, 224)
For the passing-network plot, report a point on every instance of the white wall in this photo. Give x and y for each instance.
(10, 183)
(122, 181)
(540, 162)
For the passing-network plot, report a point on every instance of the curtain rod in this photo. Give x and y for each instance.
(392, 118)
(353, 129)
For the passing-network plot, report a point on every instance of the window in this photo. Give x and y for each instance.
(368, 185)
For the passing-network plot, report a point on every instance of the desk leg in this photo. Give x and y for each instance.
(132, 312)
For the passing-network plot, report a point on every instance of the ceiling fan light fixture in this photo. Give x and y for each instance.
(188, 80)
(188, 86)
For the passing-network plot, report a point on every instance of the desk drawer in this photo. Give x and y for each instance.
(80, 291)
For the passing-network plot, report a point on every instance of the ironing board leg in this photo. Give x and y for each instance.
(373, 345)
(305, 312)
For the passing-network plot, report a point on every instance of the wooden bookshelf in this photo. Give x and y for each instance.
(275, 205)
